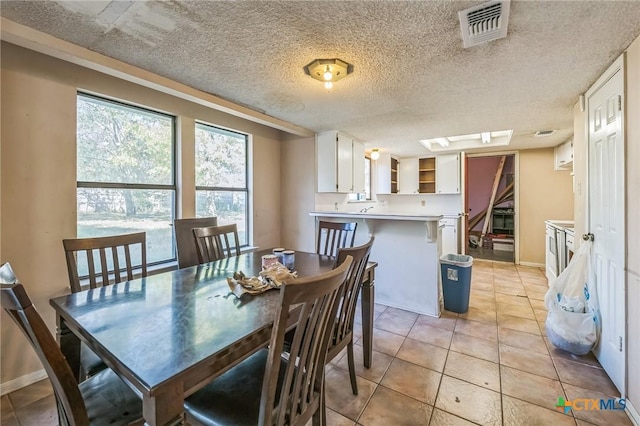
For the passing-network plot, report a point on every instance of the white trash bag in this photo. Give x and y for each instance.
(573, 321)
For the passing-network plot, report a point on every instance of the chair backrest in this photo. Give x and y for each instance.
(348, 302)
(213, 242)
(185, 243)
(335, 235)
(301, 388)
(114, 255)
(16, 302)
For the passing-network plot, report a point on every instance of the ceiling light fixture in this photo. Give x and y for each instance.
(375, 154)
(328, 71)
(486, 137)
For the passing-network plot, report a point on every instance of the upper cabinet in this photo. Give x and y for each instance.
(432, 175)
(448, 174)
(564, 156)
(340, 163)
(408, 176)
(387, 174)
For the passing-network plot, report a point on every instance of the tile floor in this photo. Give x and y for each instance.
(491, 365)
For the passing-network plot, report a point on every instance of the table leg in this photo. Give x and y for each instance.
(69, 345)
(367, 300)
(164, 408)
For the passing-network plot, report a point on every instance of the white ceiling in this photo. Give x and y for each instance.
(411, 79)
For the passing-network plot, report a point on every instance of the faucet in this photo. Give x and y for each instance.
(366, 209)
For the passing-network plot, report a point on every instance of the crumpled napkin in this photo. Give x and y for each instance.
(271, 277)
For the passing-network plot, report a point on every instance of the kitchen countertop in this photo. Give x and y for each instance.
(380, 215)
(560, 224)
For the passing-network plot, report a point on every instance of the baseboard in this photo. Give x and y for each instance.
(533, 264)
(632, 413)
(22, 381)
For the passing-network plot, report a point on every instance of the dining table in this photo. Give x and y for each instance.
(169, 334)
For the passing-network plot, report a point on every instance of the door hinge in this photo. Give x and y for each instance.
(619, 102)
(620, 343)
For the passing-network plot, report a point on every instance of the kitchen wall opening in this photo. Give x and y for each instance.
(491, 207)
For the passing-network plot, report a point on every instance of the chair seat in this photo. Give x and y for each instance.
(234, 397)
(109, 401)
(90, 362)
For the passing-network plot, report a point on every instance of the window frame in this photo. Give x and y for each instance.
(246, 189)
(154, 186)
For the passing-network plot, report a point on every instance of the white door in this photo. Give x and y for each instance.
(606, 216)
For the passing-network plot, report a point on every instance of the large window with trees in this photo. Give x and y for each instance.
(222, 177)
(126, 173)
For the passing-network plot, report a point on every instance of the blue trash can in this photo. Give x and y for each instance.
(456, 281)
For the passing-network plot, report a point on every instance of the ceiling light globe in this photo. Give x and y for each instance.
(375, 154)
(328, 85)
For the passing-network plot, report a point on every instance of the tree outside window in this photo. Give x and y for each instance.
(126, 173)
(222, 177)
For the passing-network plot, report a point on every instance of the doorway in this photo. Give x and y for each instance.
(491, 207)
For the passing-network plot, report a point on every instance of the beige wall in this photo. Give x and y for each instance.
(580, 172)
(38, 175)
(633, 224)
(298, 192)
(544, 194)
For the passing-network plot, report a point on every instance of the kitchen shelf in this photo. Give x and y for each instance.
(394, 176)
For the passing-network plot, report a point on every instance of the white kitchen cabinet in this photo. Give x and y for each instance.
(358, 167)
(408, 176)
(384, 174)
(340, 163)
(448, 174)
(564, 156)
(449, 236)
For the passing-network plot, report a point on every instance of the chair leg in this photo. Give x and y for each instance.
(319, 418)
(352, 368)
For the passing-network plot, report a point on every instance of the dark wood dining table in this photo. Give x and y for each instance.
(168, 335)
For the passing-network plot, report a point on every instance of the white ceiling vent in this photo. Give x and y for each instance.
(485, 22)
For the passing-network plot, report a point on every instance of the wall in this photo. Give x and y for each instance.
(580, 172)
(298, 188)
(544, 194)
(482, 172)
(633, 225)
(38, 186)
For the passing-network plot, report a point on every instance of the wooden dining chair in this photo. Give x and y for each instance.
(103, 399)
(335, 235)
(265, 388)
(214, 242)
(185, 243)
(113, 256)
(343, 331)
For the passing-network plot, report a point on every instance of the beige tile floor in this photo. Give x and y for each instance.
(491, 365)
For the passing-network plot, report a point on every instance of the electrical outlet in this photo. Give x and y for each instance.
(423, 203)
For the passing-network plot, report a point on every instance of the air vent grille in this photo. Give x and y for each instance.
(484, 23)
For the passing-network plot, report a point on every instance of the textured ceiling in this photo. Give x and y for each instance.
(411, 80)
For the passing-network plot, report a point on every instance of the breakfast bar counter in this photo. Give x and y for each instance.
(407, 250)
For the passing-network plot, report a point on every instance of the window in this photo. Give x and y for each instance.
(222, 176)
(126, 173)
(366, 195)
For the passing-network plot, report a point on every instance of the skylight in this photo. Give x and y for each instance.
(474, 140)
